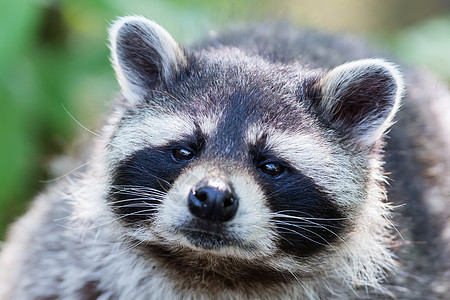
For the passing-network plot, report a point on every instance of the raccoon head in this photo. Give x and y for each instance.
(232, 169)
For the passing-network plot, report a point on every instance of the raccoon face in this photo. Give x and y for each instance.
(222, 159)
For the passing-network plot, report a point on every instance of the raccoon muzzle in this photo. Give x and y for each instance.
(213, 199)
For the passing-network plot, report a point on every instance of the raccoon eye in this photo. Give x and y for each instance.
(182, 154)
(272, 169)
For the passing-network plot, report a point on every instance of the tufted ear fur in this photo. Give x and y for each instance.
(359, 99)
(144, 56)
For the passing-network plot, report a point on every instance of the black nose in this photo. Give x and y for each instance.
(213, 199)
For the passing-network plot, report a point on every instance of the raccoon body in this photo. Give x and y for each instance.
(247, 168)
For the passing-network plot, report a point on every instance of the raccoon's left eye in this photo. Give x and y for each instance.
(271, 168)
(182, 154)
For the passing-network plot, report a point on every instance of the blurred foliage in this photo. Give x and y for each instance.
(53, 55)
(424, 44)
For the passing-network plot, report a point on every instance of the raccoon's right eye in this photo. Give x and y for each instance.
(182, 154)
(272, 169)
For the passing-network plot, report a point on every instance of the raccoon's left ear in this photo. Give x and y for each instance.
(144, 56)
(359, 99)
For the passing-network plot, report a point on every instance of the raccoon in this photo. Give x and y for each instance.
(248, 167)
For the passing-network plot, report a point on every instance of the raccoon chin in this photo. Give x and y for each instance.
(207, 236)
(206, 240)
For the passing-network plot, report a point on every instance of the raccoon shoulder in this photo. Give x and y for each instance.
(418, 162)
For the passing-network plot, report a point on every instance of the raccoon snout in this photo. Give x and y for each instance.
(213, 199)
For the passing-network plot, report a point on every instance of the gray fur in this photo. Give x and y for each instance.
(71, 245)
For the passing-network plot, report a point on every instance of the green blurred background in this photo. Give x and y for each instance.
(54, 57)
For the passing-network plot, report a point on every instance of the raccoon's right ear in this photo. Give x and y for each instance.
(144, 56)
(359, 99)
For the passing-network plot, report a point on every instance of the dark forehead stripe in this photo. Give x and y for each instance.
(230, 131)
(241, 108)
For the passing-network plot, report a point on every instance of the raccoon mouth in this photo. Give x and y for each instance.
(207, 240)
(208, 236)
